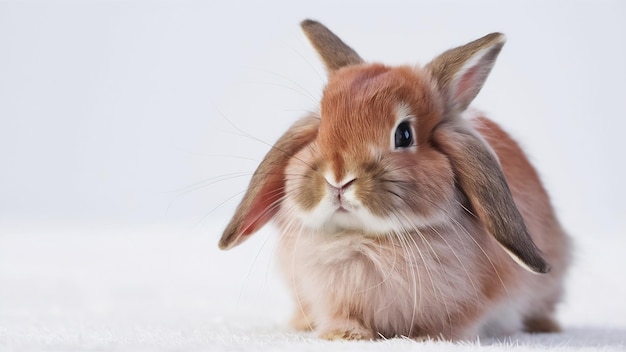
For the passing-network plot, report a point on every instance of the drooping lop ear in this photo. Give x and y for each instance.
(481, 179)
(333, 51)
(267, 186)
(460, 73)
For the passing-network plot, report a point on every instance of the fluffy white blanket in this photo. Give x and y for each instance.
(165, 289)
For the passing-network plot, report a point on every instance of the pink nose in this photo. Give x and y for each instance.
(343, 186)
(340, 189)
(347, 184)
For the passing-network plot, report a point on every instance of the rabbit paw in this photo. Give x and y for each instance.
(348, 330)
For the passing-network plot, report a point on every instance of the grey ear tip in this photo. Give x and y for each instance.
(539, 266)
(225, 242)
(493, 40)
(308, 23)
(544, 269)
(499, 37)
(222, 245)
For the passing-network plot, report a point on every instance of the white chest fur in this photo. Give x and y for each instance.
(410, 285)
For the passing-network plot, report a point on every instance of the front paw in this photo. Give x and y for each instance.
(347, 331)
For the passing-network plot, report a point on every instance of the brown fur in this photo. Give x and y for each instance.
(266, 189)
(334, 52)
(385, 241)
(534, 204)
(445, 67)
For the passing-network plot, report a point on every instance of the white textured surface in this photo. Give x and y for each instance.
(162, 289)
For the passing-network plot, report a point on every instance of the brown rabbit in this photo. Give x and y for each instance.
(402, 212)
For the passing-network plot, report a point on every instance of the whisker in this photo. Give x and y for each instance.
(414, 272)
(216, 207)
(469, 277)
(322, 78)
(247, 135)
(295, 285)
(428, 270)
(304, 94)
(417, 293)
(461, 227)
(315, 99)
(208, 182)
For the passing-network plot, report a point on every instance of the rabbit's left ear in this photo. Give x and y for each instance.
(479, 175)
(459, 75)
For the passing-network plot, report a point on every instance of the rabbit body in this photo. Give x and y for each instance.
(449, 280)
(402, 211)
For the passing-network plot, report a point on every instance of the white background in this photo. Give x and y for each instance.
(148, 117)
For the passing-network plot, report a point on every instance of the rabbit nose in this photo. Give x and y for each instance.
(338, 191)
(342, 185)
(347, 184)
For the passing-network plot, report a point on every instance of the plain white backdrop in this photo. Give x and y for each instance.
(125, 115)
(106, 106)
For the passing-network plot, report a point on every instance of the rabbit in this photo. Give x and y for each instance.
(402, 211)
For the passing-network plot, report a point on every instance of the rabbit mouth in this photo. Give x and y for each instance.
(341, 205)
(341, 216)
(341, 209)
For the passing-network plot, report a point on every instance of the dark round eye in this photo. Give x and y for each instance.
(404, 135)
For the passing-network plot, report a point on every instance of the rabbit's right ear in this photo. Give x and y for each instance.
(333, 51)
(267, 186)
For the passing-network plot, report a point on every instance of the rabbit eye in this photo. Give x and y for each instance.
(404, 135)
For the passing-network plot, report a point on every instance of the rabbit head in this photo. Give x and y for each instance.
(388, 152)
